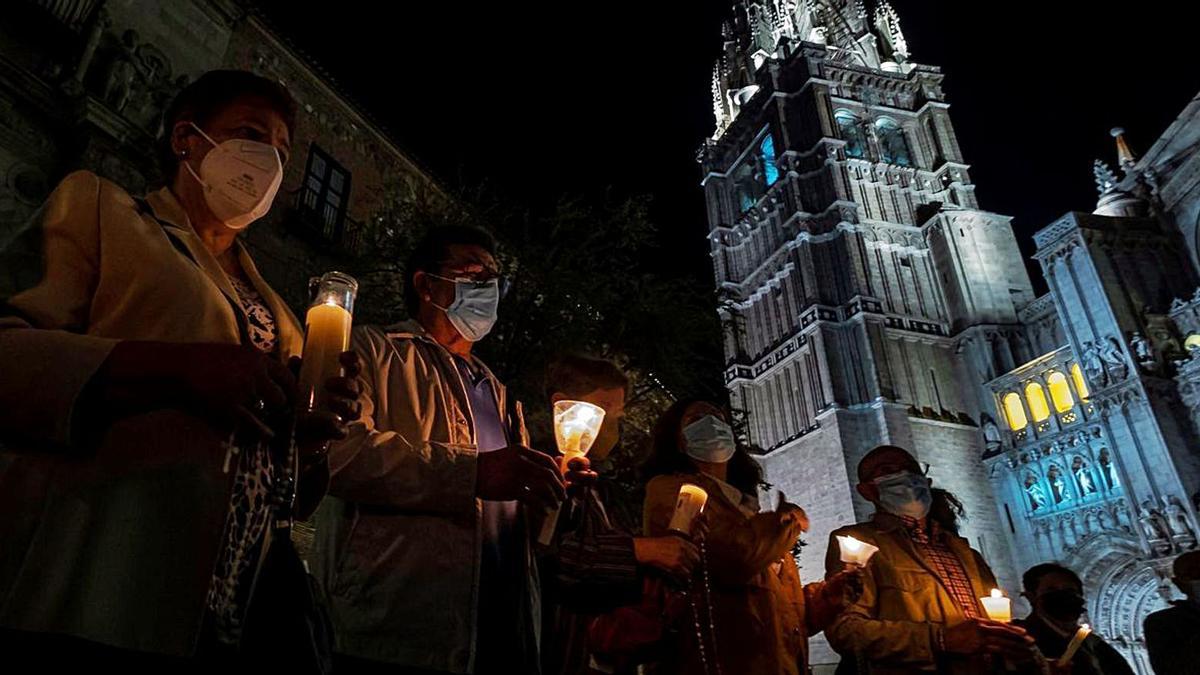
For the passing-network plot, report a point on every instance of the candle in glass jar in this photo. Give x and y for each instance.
(855, 552)
(576, 425)
(998, 607)
(689, 504)
(327, 336)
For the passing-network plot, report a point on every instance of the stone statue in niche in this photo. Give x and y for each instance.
(992, 440)
(1154, 525)
(1093, 365)
(1115, 365)
(121, 71)
(1143, 351)
(1177, 518)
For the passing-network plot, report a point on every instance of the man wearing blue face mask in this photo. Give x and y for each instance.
(423, 544)
(919, 608)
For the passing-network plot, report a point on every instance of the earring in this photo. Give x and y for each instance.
(182, 154)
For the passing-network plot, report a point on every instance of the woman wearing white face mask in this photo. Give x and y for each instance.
(144, 380)
(761, 615)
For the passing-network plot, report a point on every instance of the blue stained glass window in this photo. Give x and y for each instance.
(851, 132)
(767, 150)
(893, 147)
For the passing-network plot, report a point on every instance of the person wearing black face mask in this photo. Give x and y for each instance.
(1056, 594)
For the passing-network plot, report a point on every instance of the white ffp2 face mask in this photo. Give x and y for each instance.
(240, 179)
(475, 308)
(709, 439)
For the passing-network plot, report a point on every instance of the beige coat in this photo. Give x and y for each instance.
(114, 542)
(399, 538)
(764, 615)
(896, 624)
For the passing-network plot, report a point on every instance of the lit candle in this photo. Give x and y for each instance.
(576, 424)
(855, 552)
(327, 335)
(998, 607)
(1076, 642)
(689, 504)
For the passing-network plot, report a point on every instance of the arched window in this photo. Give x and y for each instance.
(1035, 397)
(766, 150)
(1080, 383)
(893, 147)
(1034, 491)
(1060, 392)
(1015, 412)
(1083, 476)
(851, 131)
(1058, 485)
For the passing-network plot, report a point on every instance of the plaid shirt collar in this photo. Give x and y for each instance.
(920, 534)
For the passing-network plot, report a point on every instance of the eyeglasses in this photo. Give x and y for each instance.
(503, 283)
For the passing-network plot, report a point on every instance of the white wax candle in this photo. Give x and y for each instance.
(327, 336)
(855, 552)
(1076, 643)
(998, 607)
(689, 504)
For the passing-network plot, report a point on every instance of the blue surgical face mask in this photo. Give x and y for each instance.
(904, 494)
(476, 304)
(709, 439)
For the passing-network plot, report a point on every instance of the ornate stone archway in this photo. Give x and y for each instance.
(1123, 587)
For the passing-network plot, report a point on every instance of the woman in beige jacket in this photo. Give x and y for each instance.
(142, 379)
(747, 611)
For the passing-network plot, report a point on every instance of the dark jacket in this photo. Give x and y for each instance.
(1095, 656)
(1173, 639)
(594, 570)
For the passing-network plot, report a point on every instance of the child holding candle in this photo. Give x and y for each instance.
(1056, 595)
(747, 610)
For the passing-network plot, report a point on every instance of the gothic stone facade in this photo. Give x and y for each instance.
(867, 299)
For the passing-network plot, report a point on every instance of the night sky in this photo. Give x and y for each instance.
(544, 99)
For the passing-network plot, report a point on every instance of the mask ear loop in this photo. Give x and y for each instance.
(188, 165)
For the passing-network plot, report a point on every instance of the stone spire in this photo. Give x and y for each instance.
(1117, 200)
(1125, 156)
(887, 24)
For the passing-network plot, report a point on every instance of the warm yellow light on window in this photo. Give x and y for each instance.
(1015, 412)
(1060, 392)
(1080, 383)
(1035, 397)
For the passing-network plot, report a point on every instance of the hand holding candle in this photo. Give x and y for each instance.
(998, 607)
(576, 425)
(855, 552)
(1076, 642)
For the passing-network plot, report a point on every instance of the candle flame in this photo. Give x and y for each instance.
(996, 593)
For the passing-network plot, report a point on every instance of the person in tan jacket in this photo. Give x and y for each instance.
(747, 611)
(142, 380)
(423, 545)
(918, 609)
